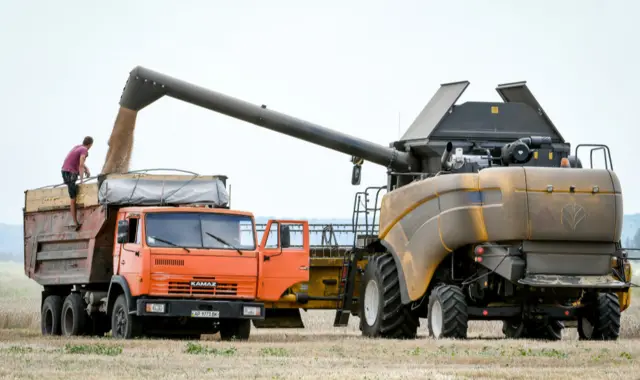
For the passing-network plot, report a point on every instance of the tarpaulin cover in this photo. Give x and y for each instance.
(156, 192)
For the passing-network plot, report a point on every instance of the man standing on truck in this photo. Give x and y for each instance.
(74, 166)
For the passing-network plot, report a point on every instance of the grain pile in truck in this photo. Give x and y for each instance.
(479, 220)
(157, 255)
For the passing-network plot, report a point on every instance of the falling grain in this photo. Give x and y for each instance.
(120, 143)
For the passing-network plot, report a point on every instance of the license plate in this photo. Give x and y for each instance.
(205, 314)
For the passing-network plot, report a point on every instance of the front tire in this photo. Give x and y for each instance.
(602, 322)
(235, 329)
(448, 317)
(382, 313)
(123, 324)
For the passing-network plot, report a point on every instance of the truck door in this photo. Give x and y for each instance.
(127, 258)
(284, 256)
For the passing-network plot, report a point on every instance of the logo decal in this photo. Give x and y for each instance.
(571, 215)
(204, 284)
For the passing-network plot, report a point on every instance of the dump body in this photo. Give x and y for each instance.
(57, 255)
(568, 219)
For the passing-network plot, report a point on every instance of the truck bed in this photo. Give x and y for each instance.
(55, 254)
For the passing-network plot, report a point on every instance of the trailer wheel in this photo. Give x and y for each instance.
(602, 322)
(74, 316)
(235, 329)
(382, 313)
(123, 324)
(50, 315)
(447, 316)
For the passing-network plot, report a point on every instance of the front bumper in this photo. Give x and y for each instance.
(212, 309)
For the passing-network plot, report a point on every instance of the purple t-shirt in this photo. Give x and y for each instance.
(72, 161)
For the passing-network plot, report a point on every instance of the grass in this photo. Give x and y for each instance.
(319, 351)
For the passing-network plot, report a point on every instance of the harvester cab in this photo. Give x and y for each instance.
(479, 220)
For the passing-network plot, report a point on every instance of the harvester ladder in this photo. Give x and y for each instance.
(346, 286)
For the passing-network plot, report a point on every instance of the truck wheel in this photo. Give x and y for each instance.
(123, 324)
(50, 315)
(235, 329)
(381, 311)
(73, 315)
(447, 315)
(602, 321)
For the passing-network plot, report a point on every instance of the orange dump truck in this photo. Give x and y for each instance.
(157, 255)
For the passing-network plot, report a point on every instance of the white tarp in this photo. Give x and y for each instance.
(156, 192)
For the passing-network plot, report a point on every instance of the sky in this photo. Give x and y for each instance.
(365, 68)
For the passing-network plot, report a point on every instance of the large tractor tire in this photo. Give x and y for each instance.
(74, 315)
(602, 321)
(382, 314)
(447, 316)
(50, 315)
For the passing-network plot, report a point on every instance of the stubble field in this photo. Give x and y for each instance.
(317, 352)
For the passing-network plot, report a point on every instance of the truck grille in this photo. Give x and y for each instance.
(203, 286)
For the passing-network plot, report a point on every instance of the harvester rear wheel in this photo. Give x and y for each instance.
(447, 315)
(50, 315)
(382, 313)
(602, 322)
(74, 316)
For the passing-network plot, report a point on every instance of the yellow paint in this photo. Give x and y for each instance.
(494, 109)
(550, 155)
(535, 155)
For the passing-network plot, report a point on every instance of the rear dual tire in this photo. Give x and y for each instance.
(50, 315)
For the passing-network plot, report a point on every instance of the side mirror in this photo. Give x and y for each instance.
(355, 175)
(123, 231)
(357, 170)
(285, 236)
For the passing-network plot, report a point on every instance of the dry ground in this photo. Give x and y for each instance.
(318, 352)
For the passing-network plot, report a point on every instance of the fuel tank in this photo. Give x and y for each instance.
(553, 208)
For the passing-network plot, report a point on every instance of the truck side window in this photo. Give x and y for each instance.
(296, 238)
(133, 231)
(272, 238)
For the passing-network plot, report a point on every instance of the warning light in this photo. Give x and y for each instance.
(485, 312)
(479, 259)
(479, 250)
(566, 312)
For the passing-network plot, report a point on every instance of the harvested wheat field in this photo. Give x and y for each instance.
(318, 352)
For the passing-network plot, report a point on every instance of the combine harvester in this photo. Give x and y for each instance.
(157, 255)
(479, 220)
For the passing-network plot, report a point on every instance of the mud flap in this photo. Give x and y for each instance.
(280, 319)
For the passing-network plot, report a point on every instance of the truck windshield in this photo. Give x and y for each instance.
(194, 230)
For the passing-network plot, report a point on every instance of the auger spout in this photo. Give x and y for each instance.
(145, 86)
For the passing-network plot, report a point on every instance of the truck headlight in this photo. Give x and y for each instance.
(253, 311)
(155, 307)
